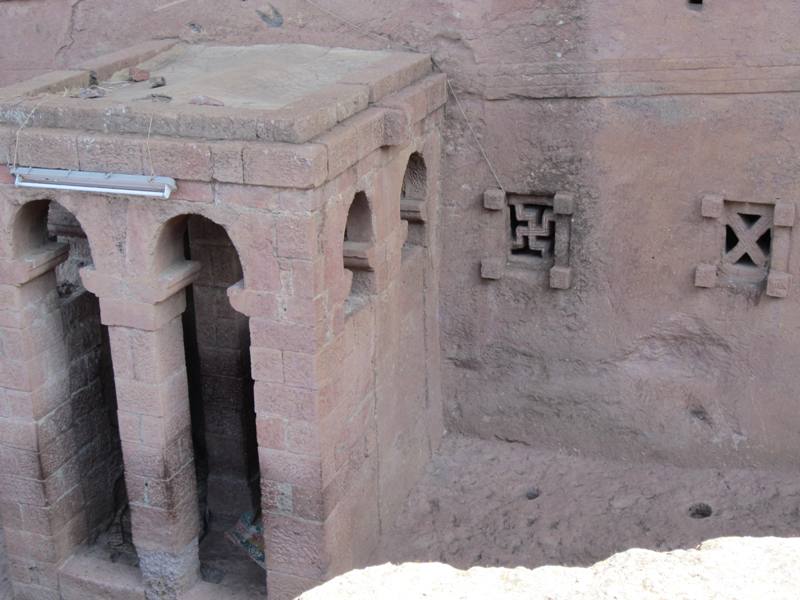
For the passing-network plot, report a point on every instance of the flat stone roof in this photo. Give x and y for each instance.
(277, 92)
(263, 76)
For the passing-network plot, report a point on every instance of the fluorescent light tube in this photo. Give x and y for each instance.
(98, 183)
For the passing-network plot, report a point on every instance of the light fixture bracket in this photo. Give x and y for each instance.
(93, 182)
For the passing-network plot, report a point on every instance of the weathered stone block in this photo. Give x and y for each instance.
(560, 278)
(712, 206)
(285, 165)
(179, 159)
(267, 365)
(48, 149)
(109, 154)
(705, 276)
(226, 162)
(784, 214)
(564, 203)
(494, 199)
(492, 268)
(778, 284)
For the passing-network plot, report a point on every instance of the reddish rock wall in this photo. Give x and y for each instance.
(634, 106)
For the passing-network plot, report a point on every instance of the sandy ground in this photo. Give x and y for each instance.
(495, 503)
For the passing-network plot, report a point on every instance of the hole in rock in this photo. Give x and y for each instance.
(746, 261)
(533, 493)
(413, 195)
(532, 227)
(700, 510)
(765, 241)
(749, 219)
(731, 239)
(359, 236)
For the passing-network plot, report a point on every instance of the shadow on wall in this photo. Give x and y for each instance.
(76, 419)
(5, 584)
(217, 349)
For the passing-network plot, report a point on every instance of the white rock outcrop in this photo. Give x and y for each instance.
(720, 569)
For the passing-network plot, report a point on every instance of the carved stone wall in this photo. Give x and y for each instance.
(314, 403)
(637, 108)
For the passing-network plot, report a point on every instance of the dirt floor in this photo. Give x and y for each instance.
(222, 563)
(496, 503)
(226, 564)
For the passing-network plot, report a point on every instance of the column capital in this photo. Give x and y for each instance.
(146, 303)
(19, 271)
(121, 312)
(147, 289)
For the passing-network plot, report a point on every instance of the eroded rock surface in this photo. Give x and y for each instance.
(477, 505)
(5, 584)
(725, 568)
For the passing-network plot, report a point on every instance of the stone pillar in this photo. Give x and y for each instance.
(284, 361)
(41, 500)
(147, 350)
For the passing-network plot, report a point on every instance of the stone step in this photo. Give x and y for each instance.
(83, 577)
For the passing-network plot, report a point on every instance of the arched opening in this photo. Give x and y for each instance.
(359, 237)
(413, 196)
(31, 231)
(217, 346)
(77, 424)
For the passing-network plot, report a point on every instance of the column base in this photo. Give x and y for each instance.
(166, 574)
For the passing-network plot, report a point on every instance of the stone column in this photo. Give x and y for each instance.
(147, 350)
(41, 501)
(284, 361)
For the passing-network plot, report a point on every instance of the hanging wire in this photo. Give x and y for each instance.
(475, 135)
(147, 147)
(21, 127)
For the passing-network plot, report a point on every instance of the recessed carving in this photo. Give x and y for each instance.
(751, 242)
(413, 195)
(748, 235)
(533, 227)
(537, 234)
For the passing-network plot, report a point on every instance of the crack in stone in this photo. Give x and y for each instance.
(70, 29)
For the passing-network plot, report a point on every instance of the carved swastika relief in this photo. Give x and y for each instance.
(533, 228)
(538, 228)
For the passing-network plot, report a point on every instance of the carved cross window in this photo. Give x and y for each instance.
(748, 235)
(753, 238)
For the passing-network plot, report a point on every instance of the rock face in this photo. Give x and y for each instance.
(724, 568)
(633, 107)
(5, 584)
